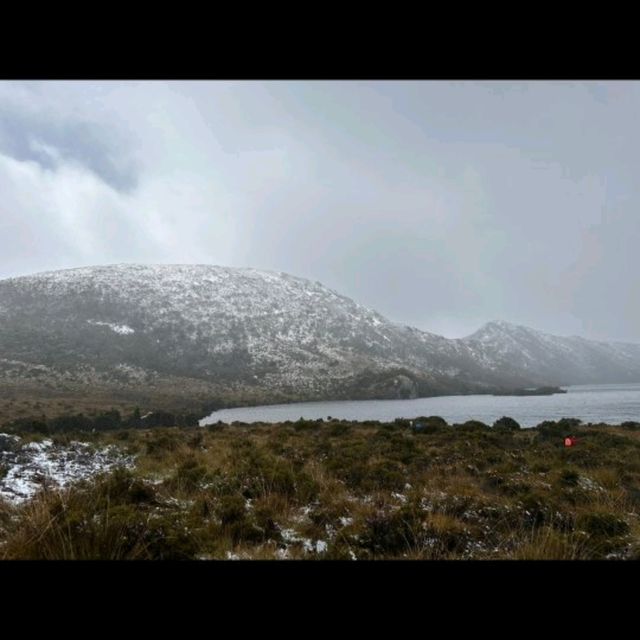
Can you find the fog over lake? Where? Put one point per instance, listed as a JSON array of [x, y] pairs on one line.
[[613, 404]]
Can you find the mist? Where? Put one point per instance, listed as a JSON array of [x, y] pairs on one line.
[[443, 205]]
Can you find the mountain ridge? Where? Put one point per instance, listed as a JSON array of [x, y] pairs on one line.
[[250, 335]]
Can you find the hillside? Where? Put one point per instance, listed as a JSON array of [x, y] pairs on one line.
[[243, 335], [543, 358], [211, 330]]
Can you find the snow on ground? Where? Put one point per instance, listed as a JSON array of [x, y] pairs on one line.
[[26, 468], [291, 537]]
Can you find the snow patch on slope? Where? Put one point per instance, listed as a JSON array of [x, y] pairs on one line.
[[122, 329]]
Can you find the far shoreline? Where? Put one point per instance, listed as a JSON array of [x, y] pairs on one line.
[[613, 404]]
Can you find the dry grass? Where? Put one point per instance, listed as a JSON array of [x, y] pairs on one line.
[[548, 544]]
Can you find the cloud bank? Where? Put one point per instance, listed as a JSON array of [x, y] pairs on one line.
[[441, 204]]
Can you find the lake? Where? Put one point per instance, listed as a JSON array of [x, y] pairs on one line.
[[611, 403]]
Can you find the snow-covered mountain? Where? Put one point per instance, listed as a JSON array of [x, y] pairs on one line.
[[543, 358], [249, 335]]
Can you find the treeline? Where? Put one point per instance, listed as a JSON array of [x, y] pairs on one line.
[[106, 421]]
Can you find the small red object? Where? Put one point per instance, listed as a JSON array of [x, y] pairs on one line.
[[570, 441]]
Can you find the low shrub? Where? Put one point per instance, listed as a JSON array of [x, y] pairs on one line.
[[431, 424], [506, 424], [602, 525], [472, 426]]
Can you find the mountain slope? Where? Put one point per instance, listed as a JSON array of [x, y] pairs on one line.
[[254, 336], [217, 328], [544, 358]]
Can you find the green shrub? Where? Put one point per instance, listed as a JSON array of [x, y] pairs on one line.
[[107, 420], [602, 525], [385, 474], [169, 538], [390, 533], [197, 441], [264, 520], [569, 477], [190, 474], [120, 487], [303, 425], [540, 467], [29, 425], [473, 426], [409, 530], [162, 445], [236, 522], [532, 510], [338, 429], [261, 474], [506, 424], [431, 424], [230, 509]]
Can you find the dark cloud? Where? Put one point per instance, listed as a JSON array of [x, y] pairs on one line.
[[48, 141]]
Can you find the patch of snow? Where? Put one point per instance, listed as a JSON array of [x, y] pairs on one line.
[[40, 464], [291, 536], [588, 484], [122, 329], [38, 446], [320, 546]]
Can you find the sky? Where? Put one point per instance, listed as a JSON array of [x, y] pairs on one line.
[[442, 205]]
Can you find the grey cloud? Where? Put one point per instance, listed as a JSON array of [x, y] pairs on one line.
[[49, 140]]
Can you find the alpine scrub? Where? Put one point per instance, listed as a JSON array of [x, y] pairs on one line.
[[337, 490]]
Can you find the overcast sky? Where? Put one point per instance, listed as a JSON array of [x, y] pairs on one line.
[[443, 205]]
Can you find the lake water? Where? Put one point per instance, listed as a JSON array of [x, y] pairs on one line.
[[591, 403]]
